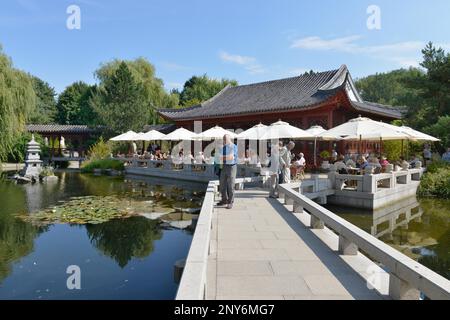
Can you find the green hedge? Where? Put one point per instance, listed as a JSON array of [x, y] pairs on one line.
[[436, 181], [102, 164]]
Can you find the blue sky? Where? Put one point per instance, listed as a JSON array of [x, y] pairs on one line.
[[246, 40]]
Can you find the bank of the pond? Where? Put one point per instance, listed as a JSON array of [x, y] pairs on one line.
[[125, 258]]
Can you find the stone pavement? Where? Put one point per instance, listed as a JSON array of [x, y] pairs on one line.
[[261, 250]]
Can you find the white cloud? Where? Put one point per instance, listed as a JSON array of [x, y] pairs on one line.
[[249, 63], [403, 54], [317, 43], [236, 58]]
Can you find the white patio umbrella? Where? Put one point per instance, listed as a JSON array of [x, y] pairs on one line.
[[254, 133], [180, 134], [414, 135], [153, 135], [316, 131], [127, 136], [282, 130], [362, 128], [215, 133]]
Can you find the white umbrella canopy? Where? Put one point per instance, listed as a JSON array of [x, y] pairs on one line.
[[127, 136], [283, 130], [254, 133], [139, 137], [364, 129], [153, 135], [215, 133], [317, 132], [180, 134], [414, 135]]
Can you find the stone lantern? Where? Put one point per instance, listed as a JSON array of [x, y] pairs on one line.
[[33, 162]]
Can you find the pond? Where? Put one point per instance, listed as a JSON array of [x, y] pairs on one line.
[[420, 228], [128, 255]]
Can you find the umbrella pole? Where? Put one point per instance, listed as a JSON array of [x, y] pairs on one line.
[[381, 150], [315, 152], [360, 146]]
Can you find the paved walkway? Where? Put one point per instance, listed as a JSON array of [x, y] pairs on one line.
[[261, 250]]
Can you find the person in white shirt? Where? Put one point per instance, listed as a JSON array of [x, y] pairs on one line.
[[301, 161], [285, 161]]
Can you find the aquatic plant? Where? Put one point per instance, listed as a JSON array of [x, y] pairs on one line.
[[89, 209]]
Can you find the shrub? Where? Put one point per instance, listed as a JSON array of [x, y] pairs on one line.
[[325, 154], [100, 150], [436, 182], [102, 164]]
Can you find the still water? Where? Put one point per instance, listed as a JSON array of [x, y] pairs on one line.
[[126, 258], [420, 228]]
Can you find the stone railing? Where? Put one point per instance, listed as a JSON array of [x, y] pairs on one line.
[[193, 281], [373, 183], [406, 277], [191, 171]]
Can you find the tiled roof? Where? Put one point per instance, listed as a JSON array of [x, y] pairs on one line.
[[60, 128], [163, 128], [305, 91]]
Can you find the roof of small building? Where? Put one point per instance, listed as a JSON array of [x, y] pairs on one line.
[[302, 92], [61, 128]]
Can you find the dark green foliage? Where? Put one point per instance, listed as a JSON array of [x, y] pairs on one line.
[[45, 111], [201, 88], [19, 147], [74, 107], [436, 181], [145, 88], [118, 100]]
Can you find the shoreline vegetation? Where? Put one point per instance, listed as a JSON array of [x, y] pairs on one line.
[[436, 181]]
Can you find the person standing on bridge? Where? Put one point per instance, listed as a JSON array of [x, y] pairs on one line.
[[285, 161], [228, 173]]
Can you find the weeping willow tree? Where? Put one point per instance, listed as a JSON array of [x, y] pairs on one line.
[[17, 101]]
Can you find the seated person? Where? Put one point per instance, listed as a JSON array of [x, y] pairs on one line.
[[199, 158], [340, 166], [300, 161], [362, 163], [351, 162], [384, 162], [403, 163]]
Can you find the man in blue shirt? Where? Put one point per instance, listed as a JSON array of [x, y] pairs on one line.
[[228, 173], [446, 155]]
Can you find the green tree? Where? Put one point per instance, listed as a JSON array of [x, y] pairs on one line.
[[201, 88], [74, 107], [118, 100], [434, 88], [441, 130], [390, 88], [152, 93], [17, 101], [45, 111]]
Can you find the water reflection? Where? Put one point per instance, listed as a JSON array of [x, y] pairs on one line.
[[418, 228], [156, 239], [124, 239]]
